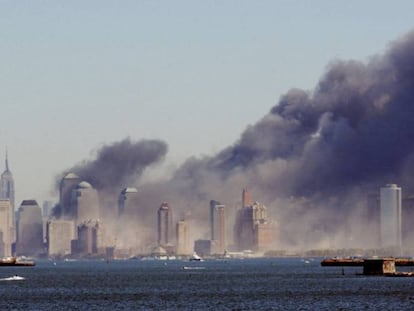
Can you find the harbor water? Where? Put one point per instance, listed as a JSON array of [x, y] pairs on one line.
[[234, 284]]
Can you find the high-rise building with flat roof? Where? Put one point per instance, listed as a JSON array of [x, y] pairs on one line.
[[60, 234], [29, 229], [127, 201], [67, 185], [85, 203], [6, 209], [390, 216], [217, 225], [182, 238], [164, 224]]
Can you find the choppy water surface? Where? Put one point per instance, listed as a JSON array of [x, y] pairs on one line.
[[249, 284]]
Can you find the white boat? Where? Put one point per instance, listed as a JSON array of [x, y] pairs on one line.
[[13, 278], [195, 257]]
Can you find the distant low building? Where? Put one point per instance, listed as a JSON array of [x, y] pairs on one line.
[[206, 247]]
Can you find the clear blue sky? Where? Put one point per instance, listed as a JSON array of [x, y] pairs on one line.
[[78, 74]]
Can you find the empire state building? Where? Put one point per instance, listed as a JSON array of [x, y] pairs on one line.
[[7, 184]]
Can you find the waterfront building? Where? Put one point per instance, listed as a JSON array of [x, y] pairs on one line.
[[164, 224], [371, 219], [182, 238], [407, 229], [60, 234], [85, 203], [205, 247], [390, 216], [217, 224], [29, 229], [67, 185], [6, 231]]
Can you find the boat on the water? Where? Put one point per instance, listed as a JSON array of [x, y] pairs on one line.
[[16, 262], [195, 257], [13, 278]]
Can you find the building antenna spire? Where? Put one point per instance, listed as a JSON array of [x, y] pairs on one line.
[[7, 161]]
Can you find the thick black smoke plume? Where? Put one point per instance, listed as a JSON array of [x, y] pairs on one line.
[[312, 159], [120, 164]]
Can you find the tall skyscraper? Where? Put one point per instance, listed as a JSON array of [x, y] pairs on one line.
[[164, 224], [217, 224], [29, 229], [246, 199], [127, 200], [67, 185], [6, 210], [253, 230], [182, 238], [85, 203], [390, 216], [7, 184]]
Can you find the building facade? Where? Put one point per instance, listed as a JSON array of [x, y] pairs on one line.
[[67, 185], [182, 238], [390, 216], [217, 225], [85, 203], [60, 234], [7, 184], [127, 201], [164, 224], [29, 229], [6, 224]]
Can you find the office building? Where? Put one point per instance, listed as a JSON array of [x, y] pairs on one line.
[[85, 203], [217, 225], [253, 230], [6, 230], [60, 234], [90, 238], [127, 201], [182, 238], [164, 224], [67, 185], [29, 229], [7, 184], [390, 216]]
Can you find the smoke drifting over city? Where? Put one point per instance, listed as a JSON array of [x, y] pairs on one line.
[[311, 160]]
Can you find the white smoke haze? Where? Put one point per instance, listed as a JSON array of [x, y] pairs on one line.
[[312, 160]]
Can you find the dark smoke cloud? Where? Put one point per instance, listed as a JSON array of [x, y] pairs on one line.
[[312, 159], [328, 147], [120, 164]]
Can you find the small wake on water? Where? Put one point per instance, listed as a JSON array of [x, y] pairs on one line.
[[13, 278]]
